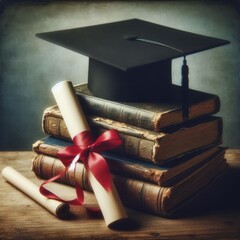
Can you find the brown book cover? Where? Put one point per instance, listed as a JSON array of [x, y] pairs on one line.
[[141, 143], [136, 194], [162, 175], [150, 115]]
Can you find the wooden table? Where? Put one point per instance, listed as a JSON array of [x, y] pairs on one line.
[[216, 214]]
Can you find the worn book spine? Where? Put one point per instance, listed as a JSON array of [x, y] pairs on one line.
[[146, 145], [160, 175], [140, 195], [132, 145], [164, 146], [155, 176], [152, 116]]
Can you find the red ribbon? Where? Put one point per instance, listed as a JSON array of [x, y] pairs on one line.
[[86, 149]]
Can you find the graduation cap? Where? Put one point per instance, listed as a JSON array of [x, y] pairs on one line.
[[131, 60]]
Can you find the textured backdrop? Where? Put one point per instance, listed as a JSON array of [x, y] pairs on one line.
[[29, 66]]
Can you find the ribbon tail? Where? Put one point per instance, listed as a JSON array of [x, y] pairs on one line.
[[45, 192], [100, 170]]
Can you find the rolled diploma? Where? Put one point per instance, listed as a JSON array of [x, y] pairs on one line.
[[32, 190], [73, 115]]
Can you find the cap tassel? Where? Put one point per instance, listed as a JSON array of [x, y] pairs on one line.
[[185, 71], [185, 88]]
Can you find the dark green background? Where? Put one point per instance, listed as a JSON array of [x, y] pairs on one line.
[[29, 66]]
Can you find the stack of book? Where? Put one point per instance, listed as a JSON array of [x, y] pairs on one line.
[[163, 163]]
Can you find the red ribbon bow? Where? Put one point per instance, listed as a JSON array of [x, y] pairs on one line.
[[86, 149]]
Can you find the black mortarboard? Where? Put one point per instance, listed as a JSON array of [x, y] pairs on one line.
[[131, 60]]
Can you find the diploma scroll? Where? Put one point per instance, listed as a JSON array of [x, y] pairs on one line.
[[109, 201], [59, 209]]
